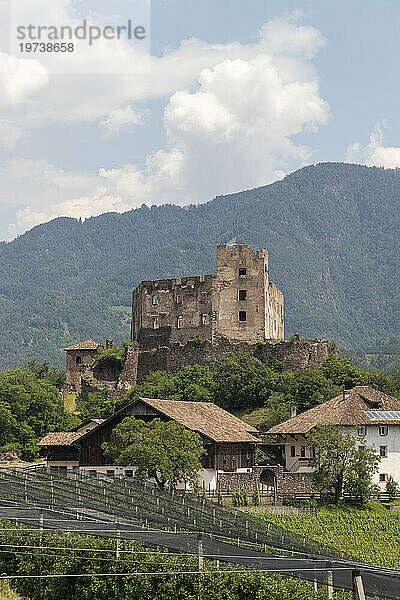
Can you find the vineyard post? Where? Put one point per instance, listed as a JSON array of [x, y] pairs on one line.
[[200, 553], [358, 587], [329, 580]]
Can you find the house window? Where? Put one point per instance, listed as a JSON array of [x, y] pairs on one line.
[[179, 322], [292, 451], [383, 429], [242, 272], [242, 316], [242, 294], [204, 319], [382, 477], [383, 451], [362, 430], [92, 473], [303, 452], [110, 473], [78, 360], [128, 473], [179, 299], [156, 323]]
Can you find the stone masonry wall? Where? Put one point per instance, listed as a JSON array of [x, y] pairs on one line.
[[295, 355]]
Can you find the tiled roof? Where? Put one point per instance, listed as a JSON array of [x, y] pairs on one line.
[[206, 418], [66, 438], [346, 409], [86, 345], [59, 438]]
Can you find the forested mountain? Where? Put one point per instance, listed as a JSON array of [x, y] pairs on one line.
[[332, 231]]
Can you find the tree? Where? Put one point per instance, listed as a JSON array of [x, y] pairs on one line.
[[166, 451], [392, 488], [97, 405], [30, 407], [339, 462]]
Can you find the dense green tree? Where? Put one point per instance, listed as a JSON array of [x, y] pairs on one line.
[[30, 407], [166, 451], [340, 464], [96, 405]]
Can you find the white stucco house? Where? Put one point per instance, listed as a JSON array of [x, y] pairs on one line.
[[362, 410]]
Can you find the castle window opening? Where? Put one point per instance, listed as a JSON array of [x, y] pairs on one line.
[[204, 319], [78, 360], [179, 322], [242, 294], [242, 272], [155, 300], [242, 316], [203, 296], [179, 299], [156, 323]]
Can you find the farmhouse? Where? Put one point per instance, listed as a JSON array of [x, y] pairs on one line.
[[230, 443], [59, 448], [371, 414]]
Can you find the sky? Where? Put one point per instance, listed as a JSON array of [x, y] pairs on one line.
[[225, 95]]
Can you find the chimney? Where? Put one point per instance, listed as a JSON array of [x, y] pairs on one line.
[[293, 412]]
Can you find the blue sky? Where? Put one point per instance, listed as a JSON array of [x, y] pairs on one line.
[[238, 94]]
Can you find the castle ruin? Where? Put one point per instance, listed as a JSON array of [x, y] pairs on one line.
[[238, 303]]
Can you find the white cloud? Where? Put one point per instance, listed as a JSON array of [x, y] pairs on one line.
[[231, 116], [9, 134], [123, 118], [375, 154]]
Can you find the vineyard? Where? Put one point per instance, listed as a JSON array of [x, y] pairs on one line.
[[369, 535], [148, 575]]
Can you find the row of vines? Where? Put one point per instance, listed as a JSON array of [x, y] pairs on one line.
[[148, 575], [368, 535]]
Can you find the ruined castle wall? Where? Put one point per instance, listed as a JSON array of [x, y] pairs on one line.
[[77, 361], [294, 355], [177, 309]]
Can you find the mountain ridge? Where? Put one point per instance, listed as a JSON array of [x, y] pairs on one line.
[[332, 231]]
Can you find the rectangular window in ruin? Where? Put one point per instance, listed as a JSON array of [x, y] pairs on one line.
[[156, 323], [242, 316], [155, 300], [203, 296], [204, 319], [179, 322], [242, 294], [179, 299], [78, 360], [242, 272]]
